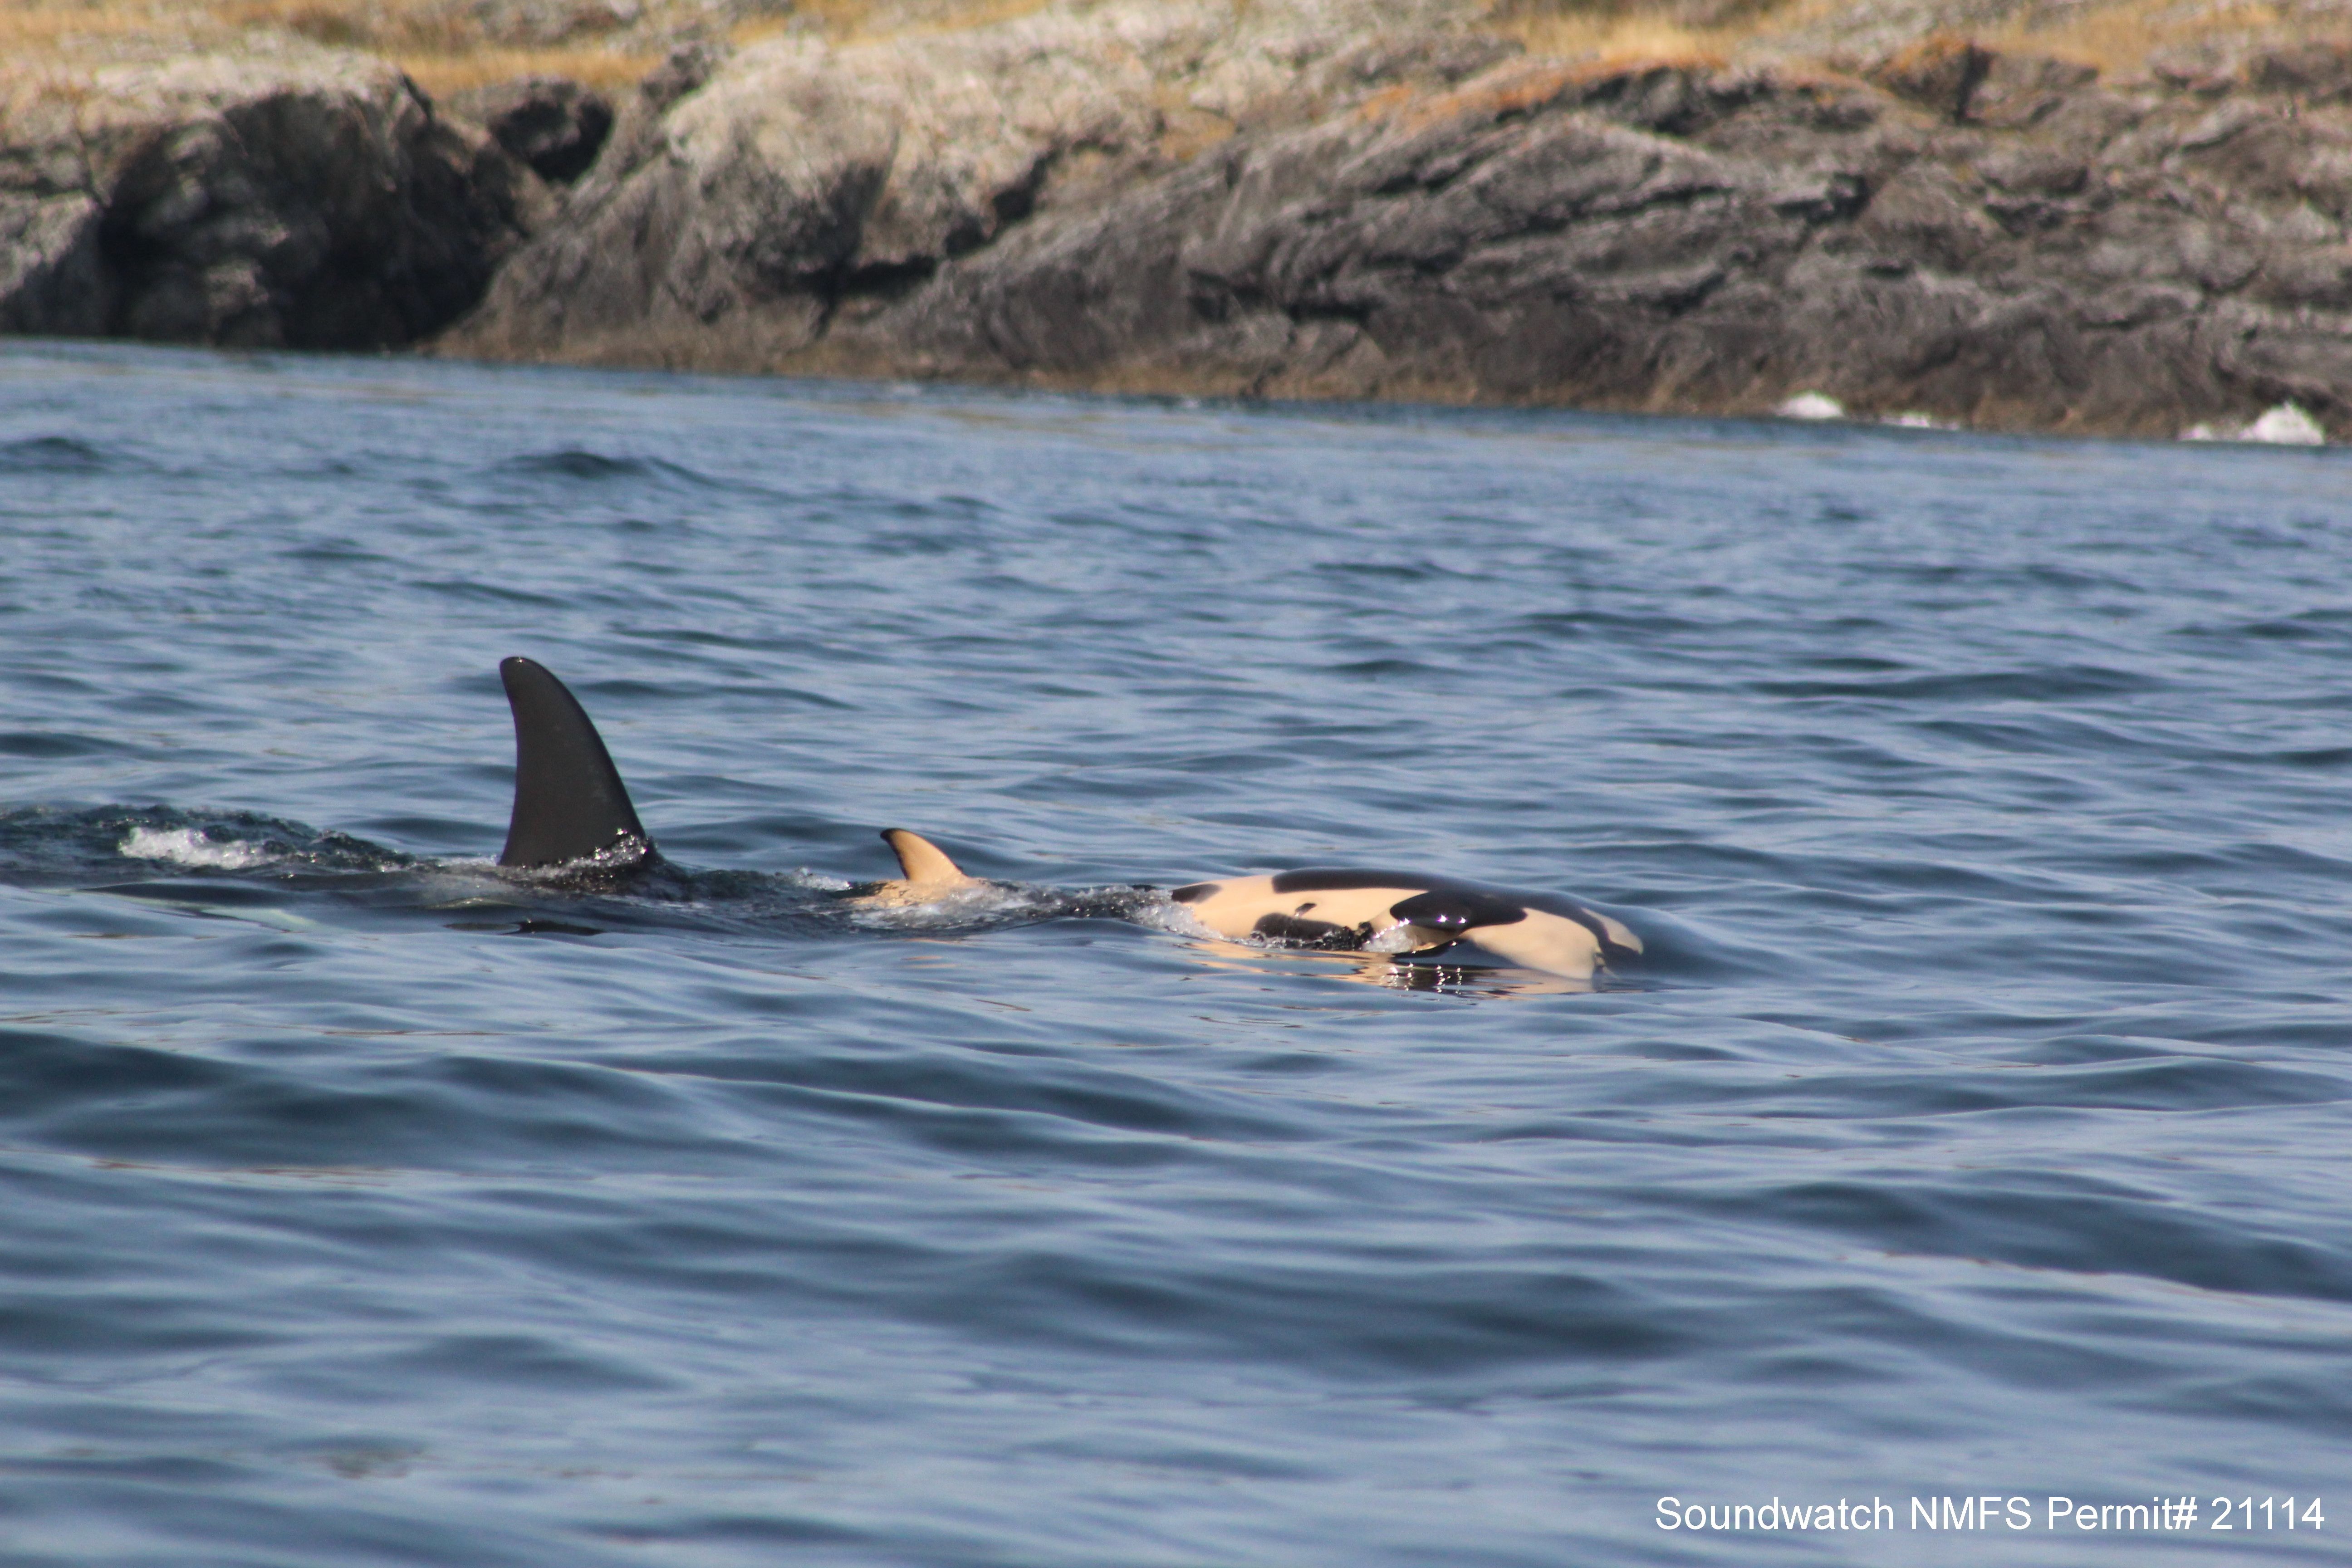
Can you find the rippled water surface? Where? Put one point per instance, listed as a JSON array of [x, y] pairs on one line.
[[1980, 1128]]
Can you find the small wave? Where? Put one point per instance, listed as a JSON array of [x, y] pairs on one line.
[[615, 864], [2055, 683], [46, 843], [1603, 624], [982, 903], [1384, 571], [595, 468], [50, 744], [194, 846], [488, 593], [1158, 911], [2312, 757], [571, 463], [50, 455], [2310, 626]]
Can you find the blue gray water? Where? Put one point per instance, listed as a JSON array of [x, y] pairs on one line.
[[1981, 1130]]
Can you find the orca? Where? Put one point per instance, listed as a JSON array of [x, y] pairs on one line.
[[572, 815], [1351, 909], [925, 872], [571, 808]]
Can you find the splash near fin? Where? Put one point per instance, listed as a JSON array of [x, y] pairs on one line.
[[569, 801], [924, 863]]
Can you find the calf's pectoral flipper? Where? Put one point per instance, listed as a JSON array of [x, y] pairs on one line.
[[568, 802]]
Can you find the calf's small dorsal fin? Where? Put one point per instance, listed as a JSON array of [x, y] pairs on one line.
[[569, 801], [922, 861]]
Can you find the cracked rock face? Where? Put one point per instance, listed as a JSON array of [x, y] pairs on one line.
[[1348, 198], [1997, 240], [744, 213], [550, 122], [310, 204]]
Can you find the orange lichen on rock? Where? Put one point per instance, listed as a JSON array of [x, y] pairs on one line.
[[1526, 87]]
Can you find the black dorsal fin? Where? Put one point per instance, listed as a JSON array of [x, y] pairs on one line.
[[569, 801]]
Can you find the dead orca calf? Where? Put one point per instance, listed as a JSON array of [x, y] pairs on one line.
[[1356, 910], [571, 812]]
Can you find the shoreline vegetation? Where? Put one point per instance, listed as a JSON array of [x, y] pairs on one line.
[[2046, 214], [449, 46]]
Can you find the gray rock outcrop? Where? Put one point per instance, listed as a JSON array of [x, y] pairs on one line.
[[2024, 250], [553, 123], [734, 218], [1358, 198], [1148, 199], [311, 202]]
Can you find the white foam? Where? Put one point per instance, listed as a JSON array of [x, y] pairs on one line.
[[1812, 405], [1400, 937], [189, 847], [2285, 426], [1914, 420], [1160, 912], [959, 905]]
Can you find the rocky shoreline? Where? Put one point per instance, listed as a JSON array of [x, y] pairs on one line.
[[320, 203], [1311, 203]]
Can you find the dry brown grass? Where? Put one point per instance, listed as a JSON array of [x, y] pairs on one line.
[[2118, 39], [607, 70], [31, 29], [848, 20], [442, 46], [1620, 34], [342, 24]]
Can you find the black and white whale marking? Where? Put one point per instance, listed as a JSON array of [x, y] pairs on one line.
[[573, 813], [1357, 910]]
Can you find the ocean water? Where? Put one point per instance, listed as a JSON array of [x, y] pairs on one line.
[[1979, 1129]]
